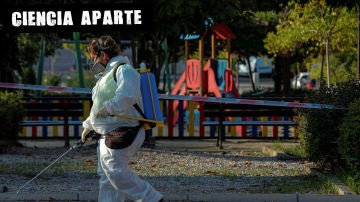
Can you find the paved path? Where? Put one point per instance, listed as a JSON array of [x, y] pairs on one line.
[[214, 197]]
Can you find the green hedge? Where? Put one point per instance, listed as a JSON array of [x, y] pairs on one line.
[[349, 140], [319, 129], [11, 113]]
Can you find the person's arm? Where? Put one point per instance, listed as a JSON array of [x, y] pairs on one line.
[[127, 92], [87, 124]]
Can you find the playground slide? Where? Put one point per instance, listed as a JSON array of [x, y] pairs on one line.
[[179, 89], [179, 84], [211, 80], [230, 87]]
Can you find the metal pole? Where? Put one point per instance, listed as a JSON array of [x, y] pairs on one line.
[[358, 48], [41, 62], [166, 63], [78, 59]]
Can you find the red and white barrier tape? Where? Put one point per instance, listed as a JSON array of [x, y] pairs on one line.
[[177, 97], [45, 88], [246, 101]]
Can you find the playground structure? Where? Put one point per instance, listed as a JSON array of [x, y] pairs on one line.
[[215, 78]]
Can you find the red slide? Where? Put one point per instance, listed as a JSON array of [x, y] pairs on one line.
[[211, 80], [230, 86], [179, 84]]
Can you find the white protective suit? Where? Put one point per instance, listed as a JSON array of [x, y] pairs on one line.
[[117, 181]]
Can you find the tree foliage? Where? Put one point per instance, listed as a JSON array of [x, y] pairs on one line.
[[307, 28], [29, 51], [313, 21], [250, 21]]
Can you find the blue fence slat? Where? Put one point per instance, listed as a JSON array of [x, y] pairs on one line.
[[181, 118], [286, 128], [254, 128]]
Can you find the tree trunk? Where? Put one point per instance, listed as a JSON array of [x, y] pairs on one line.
[[327, 62], [282, 74], [321, 83], [250, 73], [277, 76]]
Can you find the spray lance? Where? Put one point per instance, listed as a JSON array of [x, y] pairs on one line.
[[90, 136]]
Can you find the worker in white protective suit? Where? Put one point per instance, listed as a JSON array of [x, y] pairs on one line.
[[117, 91]]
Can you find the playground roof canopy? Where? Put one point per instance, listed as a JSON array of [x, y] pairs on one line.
[[221, 31]]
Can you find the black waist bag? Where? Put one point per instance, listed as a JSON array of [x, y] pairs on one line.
[[121, 137]]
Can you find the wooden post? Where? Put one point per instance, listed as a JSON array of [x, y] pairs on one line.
[[228, 49], [213, 48], [170, 118], [201, 119], [201, 58], [191, 119], [160, 128], [264, 130], [187, 50]]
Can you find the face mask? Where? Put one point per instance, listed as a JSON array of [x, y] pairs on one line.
[[96, 67]]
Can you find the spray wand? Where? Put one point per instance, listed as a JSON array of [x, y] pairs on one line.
[[91, 135]]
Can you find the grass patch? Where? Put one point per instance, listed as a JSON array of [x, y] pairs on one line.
[[294, 150], [350, 180], [30, 169], [307, 184]]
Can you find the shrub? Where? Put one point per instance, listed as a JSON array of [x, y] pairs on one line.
[[52, 80], [318, 133], [349, 140], [319, 128], [73, 80], [11, 113]]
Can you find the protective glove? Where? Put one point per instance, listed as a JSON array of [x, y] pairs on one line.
[[103, 113], [83, 134]]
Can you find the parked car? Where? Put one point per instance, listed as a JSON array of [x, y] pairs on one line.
[[257, 64], [301, 80]]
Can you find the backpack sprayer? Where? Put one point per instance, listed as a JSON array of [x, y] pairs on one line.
[[91, 135]]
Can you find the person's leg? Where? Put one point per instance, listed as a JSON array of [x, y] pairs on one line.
[[114, 163], [106, 190]]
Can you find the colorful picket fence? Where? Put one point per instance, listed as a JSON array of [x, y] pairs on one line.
[[54, 131], [187, 126]]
